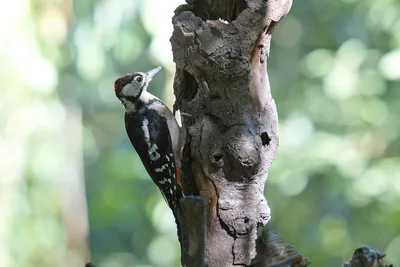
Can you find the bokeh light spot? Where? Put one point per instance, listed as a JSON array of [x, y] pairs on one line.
[[53, 25], [162, 218], [90, 61], [38, 72], [371, 83], [342, 81], [334, 235], [161, 28], [372, 183], [389, 65], [392, 251], [121, 259], [318, 63], [292, 183], [161, 252], [296, 131], [289, 32]]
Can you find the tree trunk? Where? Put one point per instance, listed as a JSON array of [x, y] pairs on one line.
[[231, 133]]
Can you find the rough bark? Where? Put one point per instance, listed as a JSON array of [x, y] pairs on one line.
[[230, 128], [231, 133]]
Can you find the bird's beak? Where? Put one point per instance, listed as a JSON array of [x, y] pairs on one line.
[[150, 74]]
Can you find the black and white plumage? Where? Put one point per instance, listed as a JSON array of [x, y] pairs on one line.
[[153, 132]]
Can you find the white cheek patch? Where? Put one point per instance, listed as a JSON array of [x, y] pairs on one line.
[[131, 89]]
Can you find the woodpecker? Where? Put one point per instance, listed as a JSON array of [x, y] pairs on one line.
[[153, 132]]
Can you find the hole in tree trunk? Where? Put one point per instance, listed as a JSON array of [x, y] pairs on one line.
[[217, 160], [265, 139], [227, 10], [217, 157], [240, 5], [191, 86]]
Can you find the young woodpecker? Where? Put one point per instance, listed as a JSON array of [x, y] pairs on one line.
[[153, 132]]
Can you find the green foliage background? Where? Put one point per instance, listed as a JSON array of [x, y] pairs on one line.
[[67, 169]]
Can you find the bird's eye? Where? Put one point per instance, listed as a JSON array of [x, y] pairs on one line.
[[139, 79]]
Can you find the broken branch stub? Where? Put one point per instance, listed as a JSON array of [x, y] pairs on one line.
[[232, 134]]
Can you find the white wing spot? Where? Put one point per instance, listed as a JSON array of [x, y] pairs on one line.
[[153, 154], [171, 191], [162, 168], [145, 128]]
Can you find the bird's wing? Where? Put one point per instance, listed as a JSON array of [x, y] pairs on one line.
[[155, 151]]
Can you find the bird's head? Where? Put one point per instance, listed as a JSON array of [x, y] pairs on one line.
[[131, 86]]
